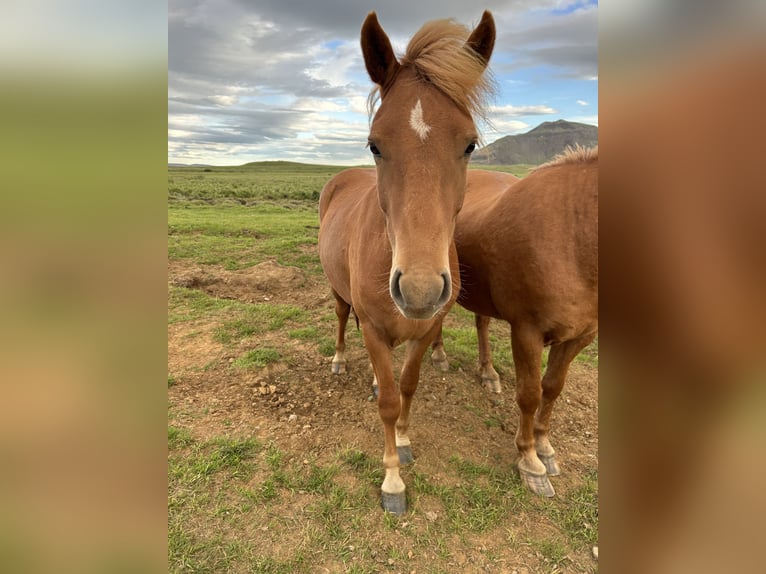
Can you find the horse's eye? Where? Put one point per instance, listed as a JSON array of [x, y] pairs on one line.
[[470, 149], [373, 149]]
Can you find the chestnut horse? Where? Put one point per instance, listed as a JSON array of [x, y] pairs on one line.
[[386, 234], [528, 253]]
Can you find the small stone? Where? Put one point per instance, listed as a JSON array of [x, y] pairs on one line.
[[292, 418], [272, 389], [431, 516]]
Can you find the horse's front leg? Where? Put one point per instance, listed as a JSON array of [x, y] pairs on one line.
[[489, 377], [408, 384], [559, 359], [393, 493], [527, 346]]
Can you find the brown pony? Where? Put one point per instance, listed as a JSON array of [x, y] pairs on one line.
[[528, 253], [386, 234]]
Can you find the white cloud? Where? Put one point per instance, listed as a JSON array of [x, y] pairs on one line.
[[516, 111], [274, 80], [223, 100], [505, 127], [592, 120], [582, 103]]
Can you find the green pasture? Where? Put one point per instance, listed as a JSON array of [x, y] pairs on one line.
[[262, 181], [225, 492]]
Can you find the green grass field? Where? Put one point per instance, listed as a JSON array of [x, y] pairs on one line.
[[231, 496]]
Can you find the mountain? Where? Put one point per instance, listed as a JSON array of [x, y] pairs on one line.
[[538, 145]]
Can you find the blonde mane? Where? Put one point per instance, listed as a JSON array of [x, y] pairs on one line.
[[439, 55], [576, 154]]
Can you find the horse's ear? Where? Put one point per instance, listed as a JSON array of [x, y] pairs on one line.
[[482, 39], [378, 54]]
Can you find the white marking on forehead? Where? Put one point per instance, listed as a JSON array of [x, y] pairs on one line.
[[417, 123]]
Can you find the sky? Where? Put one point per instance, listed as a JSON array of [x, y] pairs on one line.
[[253, 80]]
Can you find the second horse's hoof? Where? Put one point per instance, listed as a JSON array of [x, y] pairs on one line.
[[551, 466], [537, 483]]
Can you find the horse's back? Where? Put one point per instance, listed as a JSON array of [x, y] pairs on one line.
[[483, 189], [556, 208], [530, 251]]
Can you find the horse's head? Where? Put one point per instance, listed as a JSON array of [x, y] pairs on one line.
[[421, 138]]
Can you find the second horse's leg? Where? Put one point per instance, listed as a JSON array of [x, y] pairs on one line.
[[559, 359], [527, 346]]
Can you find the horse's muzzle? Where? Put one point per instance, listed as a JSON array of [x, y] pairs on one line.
[[420, 295]]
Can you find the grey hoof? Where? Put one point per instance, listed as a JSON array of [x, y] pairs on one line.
[[394, 503], [492, 385], [537, 483], [551, 466], [375, 391], [338, 368], [405, 455], [441, 365]]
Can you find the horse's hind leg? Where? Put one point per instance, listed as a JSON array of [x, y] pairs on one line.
[[438, 355], [489, 377], [559, 359], [342, 310], [527, 346]]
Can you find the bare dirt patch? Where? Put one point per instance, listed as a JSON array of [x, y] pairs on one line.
[[300, 406]]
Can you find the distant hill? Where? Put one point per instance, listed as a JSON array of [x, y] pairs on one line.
[[188, 165], [270, 166], [538, 145]]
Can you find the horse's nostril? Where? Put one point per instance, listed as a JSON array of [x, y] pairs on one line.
[[396, 291], [447, 289]]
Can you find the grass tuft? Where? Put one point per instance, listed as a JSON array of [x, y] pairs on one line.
[[257, 358]]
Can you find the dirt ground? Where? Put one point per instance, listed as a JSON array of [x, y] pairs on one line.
[[303, 406]]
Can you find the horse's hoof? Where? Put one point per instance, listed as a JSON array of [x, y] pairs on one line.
[[405, 455], [551, 466], [338, 368], [441, 364], [394, 503], [375, 391], [492, 385], [537, 483]]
